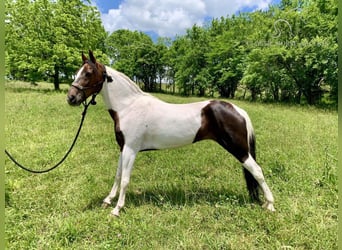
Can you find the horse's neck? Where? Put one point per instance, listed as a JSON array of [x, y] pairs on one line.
[[121, 92]]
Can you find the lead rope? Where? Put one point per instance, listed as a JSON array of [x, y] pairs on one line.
[[86, 105]]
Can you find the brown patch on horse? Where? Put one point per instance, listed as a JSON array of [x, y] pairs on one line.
[[120, 139], [89, 82], [93, 73], [222, 123]]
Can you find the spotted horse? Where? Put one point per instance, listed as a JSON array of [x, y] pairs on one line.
[[143, 122]]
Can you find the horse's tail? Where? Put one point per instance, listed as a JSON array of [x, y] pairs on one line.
[[252, 184]]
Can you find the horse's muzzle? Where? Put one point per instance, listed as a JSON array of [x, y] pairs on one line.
[[72, 100], [75, 97]]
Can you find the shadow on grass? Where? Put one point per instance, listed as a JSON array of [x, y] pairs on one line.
[[177, 197], [21, 87], [36, 90]]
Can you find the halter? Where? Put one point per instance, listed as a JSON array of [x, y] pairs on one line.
[[105, 77]]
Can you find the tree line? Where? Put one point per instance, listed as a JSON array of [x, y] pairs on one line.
[[287, 53]]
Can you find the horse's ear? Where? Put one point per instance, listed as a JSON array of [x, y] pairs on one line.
[[84, 58], [92, 58]]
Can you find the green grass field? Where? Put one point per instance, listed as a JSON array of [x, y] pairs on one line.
[[187, 198]]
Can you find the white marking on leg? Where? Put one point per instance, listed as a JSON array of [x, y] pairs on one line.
[[128, 157], [251, 165], [112, 194]]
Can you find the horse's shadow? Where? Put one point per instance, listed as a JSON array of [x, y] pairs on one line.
[[177, 197]]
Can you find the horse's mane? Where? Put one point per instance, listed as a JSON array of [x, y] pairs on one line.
[[119, 76]]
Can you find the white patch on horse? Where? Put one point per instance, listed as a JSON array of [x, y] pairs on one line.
[[169, 125], [78, 75], [249, 127]]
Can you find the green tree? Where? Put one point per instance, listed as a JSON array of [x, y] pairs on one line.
[[44, 38], [147, 65], [311, 53], [190, 60], [119, 48], [168, 61], [226, 55], [135, 54], [295, 55]]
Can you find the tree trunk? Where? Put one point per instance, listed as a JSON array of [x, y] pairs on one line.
[[56, 78], [160, 84]]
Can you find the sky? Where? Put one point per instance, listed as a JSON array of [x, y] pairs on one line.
[[168, 18]]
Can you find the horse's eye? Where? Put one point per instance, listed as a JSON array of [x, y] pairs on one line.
[[88, 74]]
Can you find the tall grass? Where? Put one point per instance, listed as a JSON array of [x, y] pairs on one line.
[[187, 198]]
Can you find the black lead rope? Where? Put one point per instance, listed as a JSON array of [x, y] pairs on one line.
[[86, 105]]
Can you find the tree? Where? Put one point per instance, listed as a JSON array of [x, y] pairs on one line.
[[44, 38], [134, 53], [163, 62], [225, 57], [189, 52], [120, 49], [296, 52], [311, 57], [146, 65], [168, 61]]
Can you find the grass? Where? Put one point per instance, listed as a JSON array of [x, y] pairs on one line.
[[187, 198]]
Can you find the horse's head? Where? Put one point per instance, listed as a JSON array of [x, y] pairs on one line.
[[89, 80]]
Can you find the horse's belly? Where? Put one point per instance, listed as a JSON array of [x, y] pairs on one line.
[[159, 125], [167, 140], [171, 132], [170, 136]]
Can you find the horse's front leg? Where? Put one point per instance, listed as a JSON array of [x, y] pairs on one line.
[[108, 200], [128, 156]]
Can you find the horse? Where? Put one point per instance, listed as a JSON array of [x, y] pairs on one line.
[[143, 122]]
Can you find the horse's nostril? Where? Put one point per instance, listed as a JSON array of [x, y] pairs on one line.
[[71, 99]]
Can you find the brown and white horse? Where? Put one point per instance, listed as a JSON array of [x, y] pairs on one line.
[[143, 122]]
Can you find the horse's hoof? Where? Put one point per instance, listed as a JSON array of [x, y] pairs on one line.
[[269, 206], [115, 213], [105, 205]]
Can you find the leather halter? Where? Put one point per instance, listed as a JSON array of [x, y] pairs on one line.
[[105, 77]]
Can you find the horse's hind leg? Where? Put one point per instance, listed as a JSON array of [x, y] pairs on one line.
[[107, 201], [251, 165]]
